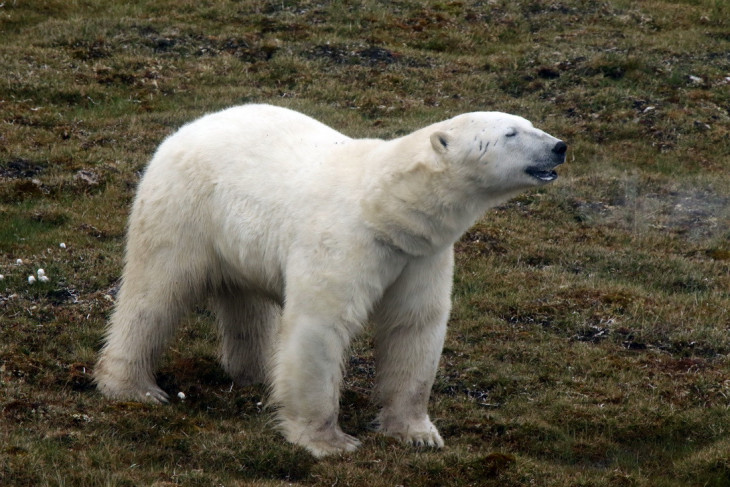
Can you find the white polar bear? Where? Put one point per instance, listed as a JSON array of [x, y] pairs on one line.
[[301, 235]]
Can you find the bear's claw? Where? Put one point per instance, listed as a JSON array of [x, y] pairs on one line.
[[417, 433], [156, 395], [343, 443]]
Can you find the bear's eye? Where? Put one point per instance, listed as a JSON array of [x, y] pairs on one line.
[[511, 133]]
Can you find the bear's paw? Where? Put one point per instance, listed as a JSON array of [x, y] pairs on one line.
[[320, 442], [419, 433]]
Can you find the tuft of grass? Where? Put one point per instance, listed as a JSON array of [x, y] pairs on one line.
[[588, 342]]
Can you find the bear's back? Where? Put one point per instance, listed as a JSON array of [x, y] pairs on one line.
[[249, 141]]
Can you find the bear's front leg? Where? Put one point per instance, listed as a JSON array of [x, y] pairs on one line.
[[329, 294], [306, 383], [410, 326]]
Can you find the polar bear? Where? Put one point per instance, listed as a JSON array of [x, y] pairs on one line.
[[299, 236]]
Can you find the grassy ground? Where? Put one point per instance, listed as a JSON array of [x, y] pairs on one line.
[[589, 340]]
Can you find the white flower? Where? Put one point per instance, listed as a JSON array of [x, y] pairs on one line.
[[62, 245], [2, 277], [41, 273], [31, 279], [181, 395], [19, 261], [43, 279]]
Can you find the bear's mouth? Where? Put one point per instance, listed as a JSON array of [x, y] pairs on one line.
[[541, 174]]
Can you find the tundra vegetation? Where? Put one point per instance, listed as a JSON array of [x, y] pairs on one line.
[[589, 340]]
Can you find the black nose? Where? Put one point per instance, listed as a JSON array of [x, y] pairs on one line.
[[560, 148]]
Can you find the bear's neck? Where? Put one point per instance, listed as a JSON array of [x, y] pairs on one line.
[[420, 208]]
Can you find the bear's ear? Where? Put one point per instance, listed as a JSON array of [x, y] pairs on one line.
[[440, 142]]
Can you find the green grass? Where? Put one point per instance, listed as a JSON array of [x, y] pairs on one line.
[[589, 339]]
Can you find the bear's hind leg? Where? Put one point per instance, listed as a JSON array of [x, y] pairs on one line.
[[144, 320], [246, 325]]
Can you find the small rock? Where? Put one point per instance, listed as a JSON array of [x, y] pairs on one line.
[[547, 72], [696, 79], [89, 178]]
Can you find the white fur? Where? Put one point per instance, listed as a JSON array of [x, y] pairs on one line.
[[300, 235]]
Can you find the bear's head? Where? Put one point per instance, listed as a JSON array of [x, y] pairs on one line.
[[501, 153]]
